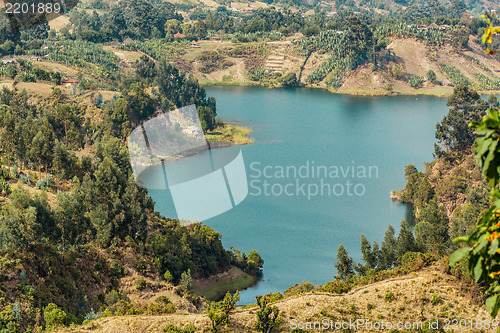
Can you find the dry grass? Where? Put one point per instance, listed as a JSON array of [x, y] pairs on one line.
[[416, 297], [41, 89], [59, 22], [66, 71]]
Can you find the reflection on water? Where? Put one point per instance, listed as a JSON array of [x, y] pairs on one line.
[[410, 214]]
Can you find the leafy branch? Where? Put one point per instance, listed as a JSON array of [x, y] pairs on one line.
[[482, 246], [489, 32]]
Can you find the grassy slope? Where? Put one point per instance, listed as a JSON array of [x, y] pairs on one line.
[[420, 296], [215, 287], [231, 133]]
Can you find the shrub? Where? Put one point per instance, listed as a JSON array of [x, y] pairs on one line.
[[273, 297], [174, 329], [303, 287], [92, 315], [186, 282], [431, 76], [159, 308], [15, 171], [389, 296], [415, 80], [25, 179], [114, 297], [290, 79], [43, 183], [168, 276], [116, 269], [336, 287], [162, 299], [396, 71], [212, 61], [141, 284], [54, 316]]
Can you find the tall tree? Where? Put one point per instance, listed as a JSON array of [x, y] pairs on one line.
[[405, 242], [453, 132], [344, 263], [388, 250], [432, 230], [368, 256], [23, 218], [65, 220]]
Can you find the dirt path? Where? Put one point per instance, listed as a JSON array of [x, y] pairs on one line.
[[412, 298]]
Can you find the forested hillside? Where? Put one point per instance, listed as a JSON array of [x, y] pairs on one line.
[[79, 240], [73, 223]]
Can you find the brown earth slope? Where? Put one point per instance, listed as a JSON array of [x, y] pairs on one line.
[[413, 298]]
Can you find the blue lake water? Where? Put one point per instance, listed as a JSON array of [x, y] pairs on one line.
[[309, 130]]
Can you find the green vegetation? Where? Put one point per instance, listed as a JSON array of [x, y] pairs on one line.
[[218, 312], [481, 250], [455, 76], [230, 133], [71, 215], [453, 133], [415, 81], [157, 48], [173, 329], [267, 316], [215, 288], [450, 179], [212, 61], [431, 76], [73, 222], [27, 73]]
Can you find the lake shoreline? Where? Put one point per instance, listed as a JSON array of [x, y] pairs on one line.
[[286, 135], [215, 287], [373, 93]]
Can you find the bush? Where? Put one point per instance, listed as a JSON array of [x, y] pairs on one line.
[[116, 269], [186, 282], [54, 316], [396, 71], [413, 261], [212, 61], [415, 80], [141, 284], [303, 287], [174, 329], [15, 171], [336, 287], [92, 315], [25, 179], [162, 299], [431, 76], [43, 183], [114, 297], [290, 79], [270, 298], [389, 296], [168, 276]]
